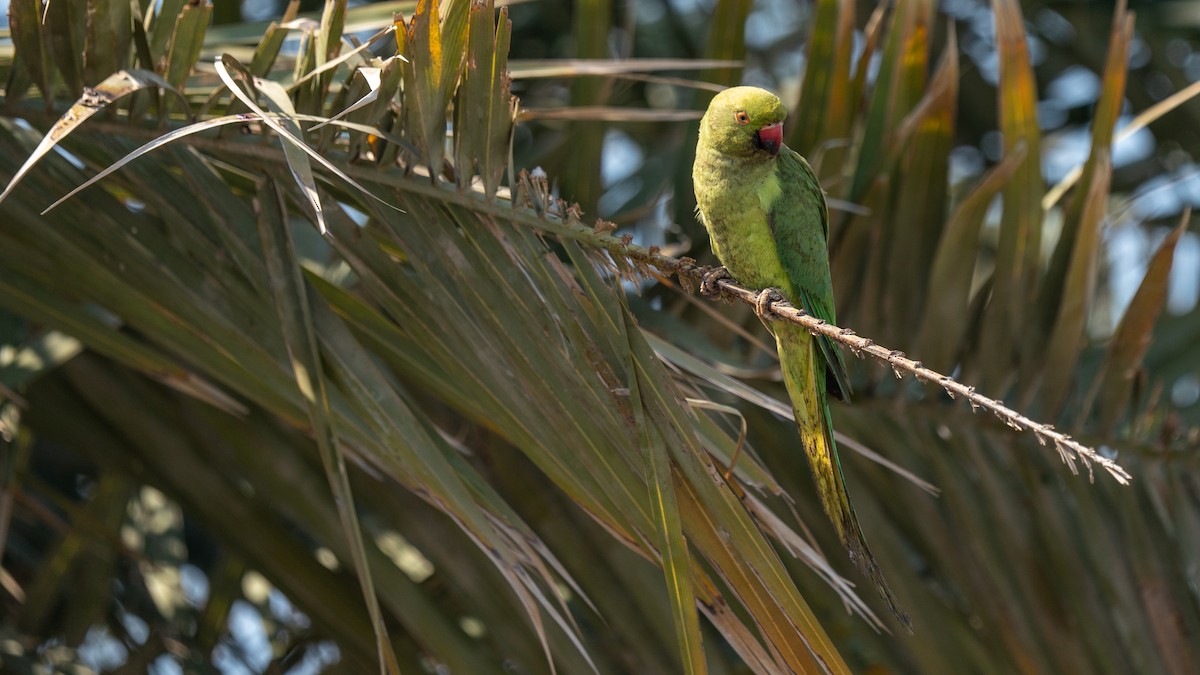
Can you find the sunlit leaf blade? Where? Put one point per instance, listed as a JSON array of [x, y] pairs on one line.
[[901, 79], [946, 316], [1054, 289], [32, 53], [676, 559], [186, 41], [1065, 341], [63, 28], [162, 26], [431, 69], [748, 469], [1020, 226], [842, 102], [320, 42], [370, 263], [872, 35], [1108, 108], [206, 125], [852, 246], [292, 141], [333, 64], [109, 33], [791, 633], [1070, 280], [755, 573], [295, 149], [370, 146], [455, 25], [195, 128], [485, 109], [808, 115], [1139, 122], [295, 320], [267, 49], [93, 101], [920, 207], [1115, 380], [329, 36], [372, 77], [803, 550]]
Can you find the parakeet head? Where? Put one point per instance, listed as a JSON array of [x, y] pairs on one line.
[[744, 122]]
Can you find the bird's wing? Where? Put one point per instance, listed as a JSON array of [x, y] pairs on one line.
[[799, 221]]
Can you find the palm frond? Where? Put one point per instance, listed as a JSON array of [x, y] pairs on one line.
[[455, 402]]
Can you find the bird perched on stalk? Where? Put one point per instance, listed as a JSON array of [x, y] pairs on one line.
[[768, 224]]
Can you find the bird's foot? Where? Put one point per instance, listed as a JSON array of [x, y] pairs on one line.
[[763, 302], [708, 282]]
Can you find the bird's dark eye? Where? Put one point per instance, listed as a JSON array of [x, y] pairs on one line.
[[742, 117]]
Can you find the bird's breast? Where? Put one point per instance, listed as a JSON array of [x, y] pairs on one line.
[[734, 207]]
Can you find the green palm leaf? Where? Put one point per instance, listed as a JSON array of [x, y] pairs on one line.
[[449, 432]]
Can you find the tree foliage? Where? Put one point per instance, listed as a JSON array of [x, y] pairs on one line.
[[472, 427]]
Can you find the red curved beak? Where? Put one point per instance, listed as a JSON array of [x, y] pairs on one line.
[[769, 138]]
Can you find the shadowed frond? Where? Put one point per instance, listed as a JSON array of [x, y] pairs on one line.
[[352, 354]]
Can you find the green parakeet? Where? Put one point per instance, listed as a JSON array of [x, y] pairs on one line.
[[767, 222]]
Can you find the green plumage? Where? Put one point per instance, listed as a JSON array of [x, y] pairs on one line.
[[767, 222]]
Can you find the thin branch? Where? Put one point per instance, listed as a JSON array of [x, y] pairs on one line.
[[1069, 449]]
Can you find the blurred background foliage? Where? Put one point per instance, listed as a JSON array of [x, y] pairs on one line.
[[504, 398]]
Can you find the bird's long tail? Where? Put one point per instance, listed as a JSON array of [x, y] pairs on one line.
[[804, 377]]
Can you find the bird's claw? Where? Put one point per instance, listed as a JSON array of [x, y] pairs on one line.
[[763, 302], [708, 282]]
